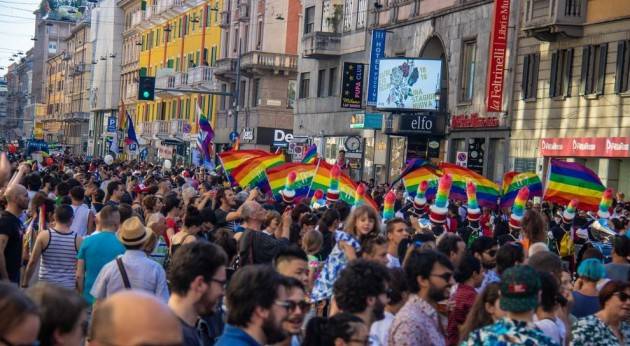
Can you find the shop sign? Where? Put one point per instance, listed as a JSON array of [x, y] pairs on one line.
[[434, 148], [498, 47], [461, 159], [352, 87], [419, 123], [165, 151], [377, 53], [476, 154], [248, 134], [275, 137], [473, 120], [367, 121], [586, 147]]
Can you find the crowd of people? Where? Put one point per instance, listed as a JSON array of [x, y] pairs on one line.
[[132, 254]]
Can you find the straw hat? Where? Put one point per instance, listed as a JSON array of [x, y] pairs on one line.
[[132, 232]]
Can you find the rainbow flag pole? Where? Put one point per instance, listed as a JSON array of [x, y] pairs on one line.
[[227, 175], [315, 174]]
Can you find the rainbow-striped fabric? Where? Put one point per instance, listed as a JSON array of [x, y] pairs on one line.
[[311, 154], [252, 173], [571, 180], [514, 181]]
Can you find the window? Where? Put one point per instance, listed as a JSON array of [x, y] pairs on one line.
[[206, 18], [223, 98], [52, 47], [347, 14], [185, 25], [332, 82], [309, 19], [561, 70], [593, 69], [529, 83], [255, 92], [235, 45], [321, 83], [467, 71], [305, 81], [259, 34], [623, 67], [362, 13], [213, 56]]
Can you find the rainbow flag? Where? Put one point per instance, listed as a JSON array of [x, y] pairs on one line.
[[413, 179], [571, 180], [253, 172], [277, 177], [311, 154], [487, 190], [514, 181], [321, 180], [232, 159]]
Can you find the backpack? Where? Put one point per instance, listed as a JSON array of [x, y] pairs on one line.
[[566, 245]]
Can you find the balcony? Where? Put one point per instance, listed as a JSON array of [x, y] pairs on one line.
[[203, 76], [551, 20], [225, 69], [321, 44], [225, 19], [243, 11], [136, 18], [160, 128], [131, 91], [258, 62], [148, 15], [177, 127], [181, 79], [169, 9], [193, 3], [164, 82]]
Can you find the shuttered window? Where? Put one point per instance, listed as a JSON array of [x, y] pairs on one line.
[[561, 71], [529, 82], [622, 83], [593, 72]]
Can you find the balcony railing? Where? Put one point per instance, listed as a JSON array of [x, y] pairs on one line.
[[177, 127], [136, 18], [225, 68], [270, 61], [181, 79], [549, 20], [203, 76], [321, 44], [225, 19], [165, 82]]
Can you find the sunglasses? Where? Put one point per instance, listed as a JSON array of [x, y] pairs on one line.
[[623, 297], [292, 305], [446, 276]]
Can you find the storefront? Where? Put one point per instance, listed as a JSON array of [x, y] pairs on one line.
[[479, 143], [608, 157], [265, 138]]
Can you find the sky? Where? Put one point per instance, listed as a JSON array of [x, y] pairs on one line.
[[17, 26]]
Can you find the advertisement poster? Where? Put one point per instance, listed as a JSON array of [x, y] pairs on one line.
[[408, 83], [352, 87]]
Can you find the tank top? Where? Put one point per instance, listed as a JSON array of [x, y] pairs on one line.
[[58, 263], [80, 220]]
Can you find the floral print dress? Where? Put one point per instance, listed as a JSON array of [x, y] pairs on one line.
[[335, 262], [508, 332], [590, 330]]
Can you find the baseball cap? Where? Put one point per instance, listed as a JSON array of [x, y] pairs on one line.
[[519, 289]]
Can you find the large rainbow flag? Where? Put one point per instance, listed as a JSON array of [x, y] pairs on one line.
[[277, 177], [514, 181], [232, 159], [571, 180], [252, 173], [321, 180]]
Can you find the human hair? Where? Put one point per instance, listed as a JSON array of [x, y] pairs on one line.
[[149, 202], [419, 241], [312, 241], [297, 212], [192, 217], [219, 196], [591, 269], [327, 220], [77, 193], [467, 268], [478, 316], [109, 217], [389, 224], [350, 225], [448, 243], [224, 237], [534, 227], [421, 263], [549, 291], [99, 195], [343, 209], [360, 280], [125, 212], [308, 219], [111, 187], [321, 331], [397, 285], [59, 310], [290, 283], [508, 256], [207, 215], [63, 189], [171, 202], [609, 289], [191, 260], [482, 244], [621, 246], [368, 244], [272, 215], [64, 214], [33, 182], [289, 253], [546, 261], [251, 286], [15, 306]]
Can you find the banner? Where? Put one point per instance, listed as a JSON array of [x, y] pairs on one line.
[[352, 88], [498, 46], [585, 147], [405, 83], [377, 53]]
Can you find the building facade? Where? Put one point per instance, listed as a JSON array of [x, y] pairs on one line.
[[52, 119], [572, 90], [19, 121]]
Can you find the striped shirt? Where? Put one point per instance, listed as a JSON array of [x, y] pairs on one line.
[[58, 263]]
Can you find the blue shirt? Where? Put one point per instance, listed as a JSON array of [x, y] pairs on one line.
[[97, 250], [235, 336], [584, 305]]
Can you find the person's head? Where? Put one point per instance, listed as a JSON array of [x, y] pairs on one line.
[[132, 234], [292, 262], [152, 203], [614, 298], [398, 289], [172, 205], [192, 219], [509, 255], [62, 314], [197, 272], [256, 298], [63, 215], [225, 198], [17, 197], [77, 194], [341, 155], [125, 211], [342, 329], [453, 246], [312, 242], [362, 221], [470, 271], [550, 292], [62, 189], [485, 310], [396, 230], [520, 286], [429, 274], [298, 307], [548, 262], [533, 226], [99, 196], [329, 220], [621, 247], [19, 320], [253, 212], [374, 248], [361, 288], [273, 221], [297, 212], [485, 250], [308, 222], [108, 219], [33, 182], [115, 190], [591, 269], [135, 318]]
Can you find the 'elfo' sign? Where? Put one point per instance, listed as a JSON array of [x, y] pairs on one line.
[[498, 46], [352, 88]]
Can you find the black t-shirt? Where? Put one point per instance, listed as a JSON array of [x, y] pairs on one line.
[[191, 335], [221, 216], [12, 227]]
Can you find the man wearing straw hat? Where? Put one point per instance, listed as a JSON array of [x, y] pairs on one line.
[[134, 269]]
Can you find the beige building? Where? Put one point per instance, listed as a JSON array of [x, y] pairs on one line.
[[54, 86], [131, 44], [571, 90]]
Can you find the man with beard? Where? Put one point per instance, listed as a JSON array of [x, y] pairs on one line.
[[197, 277], [361, 290], [298, 308], [11, 229], [485, 250], [257, 306], [430, 277]]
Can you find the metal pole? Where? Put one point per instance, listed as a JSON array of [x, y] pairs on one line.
[[237, 90]]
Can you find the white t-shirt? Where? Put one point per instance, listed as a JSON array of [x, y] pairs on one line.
[[80, 220], [380, 330], [392, 261], [554, 329]]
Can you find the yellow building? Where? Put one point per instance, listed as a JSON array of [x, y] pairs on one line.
[[55, 98], [179, 46]]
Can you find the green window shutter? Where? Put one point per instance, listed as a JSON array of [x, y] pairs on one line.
[[169, 63], [143, 72], [213, 56]]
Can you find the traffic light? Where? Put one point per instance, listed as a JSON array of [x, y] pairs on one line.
[[146, 88]]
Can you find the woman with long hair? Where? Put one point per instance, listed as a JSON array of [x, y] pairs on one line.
[[484, 311], [189, 231], [19, 320], [534, 229], [327, 226]]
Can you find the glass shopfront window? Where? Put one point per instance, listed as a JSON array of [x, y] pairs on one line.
[[398, 148]]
